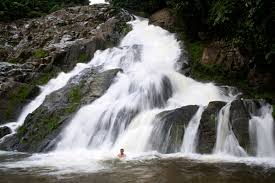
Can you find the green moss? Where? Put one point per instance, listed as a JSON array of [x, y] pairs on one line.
[[45, 78], [16, 97], [196, 50], [40, 53], [125, 29], [75, 95], [52, 123], [75, 98], [14, 60], [83, 58], [21, 131]]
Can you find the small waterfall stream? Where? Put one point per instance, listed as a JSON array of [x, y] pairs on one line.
[[261, 130], [226, 140], [190, 136]]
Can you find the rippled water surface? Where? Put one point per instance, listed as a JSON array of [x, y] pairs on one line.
[[156, 169]]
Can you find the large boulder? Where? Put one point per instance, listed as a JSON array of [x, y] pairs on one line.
[[169, 127], [241, 112], [4, 131], [229, 58], [34, 51], [207, 131], [43, 126], [163, 18], [13, 97]]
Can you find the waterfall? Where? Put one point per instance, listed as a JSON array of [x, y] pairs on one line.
[[190, 135], [261, 130], [97, 2], [149, 84], [53, 85], [226, 141]]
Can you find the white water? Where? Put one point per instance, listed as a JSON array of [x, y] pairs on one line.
[[97, 2], [226, 141], [53, 85], [148, 56], [189, 140], [261, 130]]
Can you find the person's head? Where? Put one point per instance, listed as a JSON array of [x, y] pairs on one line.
[[121, 151]]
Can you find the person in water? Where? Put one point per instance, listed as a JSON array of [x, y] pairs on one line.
[[121, 154]]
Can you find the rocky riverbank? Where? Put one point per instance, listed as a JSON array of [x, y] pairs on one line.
[[34, 51]]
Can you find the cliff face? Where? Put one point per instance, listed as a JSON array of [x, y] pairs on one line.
[[34, 51]]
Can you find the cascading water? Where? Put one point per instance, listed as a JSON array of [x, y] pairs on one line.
[[149, 82], [190, 135], [261, 130], [53, 85], [97, 1], [226, 141]]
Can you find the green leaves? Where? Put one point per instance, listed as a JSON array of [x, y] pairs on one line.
[[16, 9]]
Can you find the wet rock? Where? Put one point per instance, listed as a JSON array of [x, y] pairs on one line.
[[208, 127], [4, 131], [13, 97], [217, 53], [169, 129], [163, 18], [41, 128], [241, 112]]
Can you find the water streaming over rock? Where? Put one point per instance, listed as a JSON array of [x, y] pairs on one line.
[[149, 82], [190, 136], [261, 130], [53, 85], [226, 141]]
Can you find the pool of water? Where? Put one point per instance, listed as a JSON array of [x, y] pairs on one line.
[[26, 168]]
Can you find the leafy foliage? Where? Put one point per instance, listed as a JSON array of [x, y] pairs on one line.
[[15, 9], [246, 24]]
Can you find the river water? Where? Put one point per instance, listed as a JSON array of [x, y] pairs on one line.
[[150, 168]]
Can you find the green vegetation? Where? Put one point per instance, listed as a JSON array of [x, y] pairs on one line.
[[15, 9], [75, 98], [244, 24], [16, 97], [40, 53], [83, 58], [46, 125]]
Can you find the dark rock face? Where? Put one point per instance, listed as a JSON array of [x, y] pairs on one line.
[[208, 127], [42, 127], [40, 48], [169, 129], [4, 131], [163, 18], [13, 97], [231, 59], [241, 112]]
